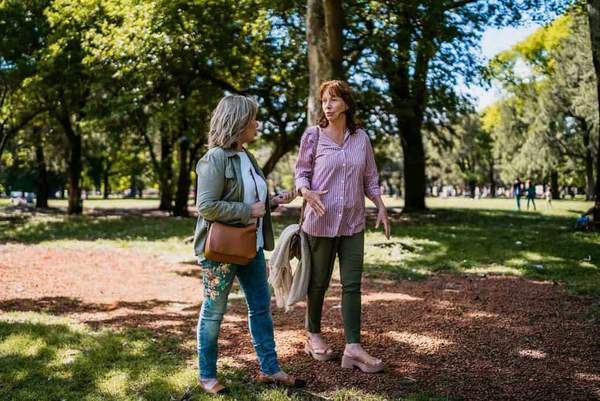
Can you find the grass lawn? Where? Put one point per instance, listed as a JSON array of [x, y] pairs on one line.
[[45, 357], [456, 235]]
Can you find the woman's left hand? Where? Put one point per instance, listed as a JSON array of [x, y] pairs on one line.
[[283, 198], [382, 217]]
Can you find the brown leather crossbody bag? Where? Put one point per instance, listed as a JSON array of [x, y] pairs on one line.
[[232, 244]]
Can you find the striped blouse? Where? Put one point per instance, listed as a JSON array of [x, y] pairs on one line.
[[348, 172]]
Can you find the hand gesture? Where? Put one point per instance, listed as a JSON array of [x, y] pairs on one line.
[[382, 217], [283, 198], [257, 210], [313, 198]]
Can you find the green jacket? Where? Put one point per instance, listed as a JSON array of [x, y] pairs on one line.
[[221, 196]]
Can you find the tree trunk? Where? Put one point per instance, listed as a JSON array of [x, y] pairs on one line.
[[334, 24], [589, 165], [593, 8], [106, 185], [42, 189], [3, 141], [75, 201], [554, 184], [183, 182], [140, 188], [492, 179], [165, 174], [409, 96], [324, 21], [75, 205], [472, 185], [132, 186], [283, 145], [414, 161], [276, 155]]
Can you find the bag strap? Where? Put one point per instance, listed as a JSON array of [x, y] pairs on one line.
[[314, 155], [256, 189]]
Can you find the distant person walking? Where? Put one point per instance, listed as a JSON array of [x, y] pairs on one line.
[[530, 193], [517, 192], [548, 196]]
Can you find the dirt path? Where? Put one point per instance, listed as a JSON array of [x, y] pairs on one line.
[[475, 338]]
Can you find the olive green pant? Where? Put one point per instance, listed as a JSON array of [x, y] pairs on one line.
[[350, 250]]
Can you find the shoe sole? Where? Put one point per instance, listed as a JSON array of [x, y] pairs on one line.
[[351, 363]]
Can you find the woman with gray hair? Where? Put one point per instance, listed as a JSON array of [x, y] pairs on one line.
[[232, 190]]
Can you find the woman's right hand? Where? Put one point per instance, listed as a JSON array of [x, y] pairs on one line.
[[313, 198], [257, 210]]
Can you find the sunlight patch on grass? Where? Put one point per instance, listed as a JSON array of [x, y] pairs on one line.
[[23, 345], [457, 235], [35, 318], [401, 252], [538, 257], [65, 356], [351, 394], [137, 347], [516, 262], [76, 363], [496, 269], [115, 382]]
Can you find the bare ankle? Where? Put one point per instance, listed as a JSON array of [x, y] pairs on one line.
[[353, 347]]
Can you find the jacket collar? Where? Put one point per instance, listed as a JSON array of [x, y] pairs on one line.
[[230, 152]]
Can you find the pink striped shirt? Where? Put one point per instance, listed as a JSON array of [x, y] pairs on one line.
[[348, 172]]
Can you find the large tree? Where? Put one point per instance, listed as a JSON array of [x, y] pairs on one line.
[[24, 31], [419, 51], [324, 23], [593, 7]]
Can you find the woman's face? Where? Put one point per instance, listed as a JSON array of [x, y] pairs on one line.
[[333, 106], [250, 133]]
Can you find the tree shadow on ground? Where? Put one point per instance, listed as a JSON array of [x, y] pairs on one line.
[[466, 240], [129, 227], [466, 338], [480, 241], [71, 363], [122, 359]]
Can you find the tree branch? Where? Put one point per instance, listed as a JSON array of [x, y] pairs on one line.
[[458, 4]]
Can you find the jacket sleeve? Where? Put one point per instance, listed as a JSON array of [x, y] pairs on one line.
[[211, 182]]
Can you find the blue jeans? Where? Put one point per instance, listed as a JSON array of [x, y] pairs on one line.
[[218, 279]]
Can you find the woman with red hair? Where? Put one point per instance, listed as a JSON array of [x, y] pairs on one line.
[[334, 172]]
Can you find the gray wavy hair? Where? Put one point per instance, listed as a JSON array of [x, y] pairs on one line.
[[230, 119]]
